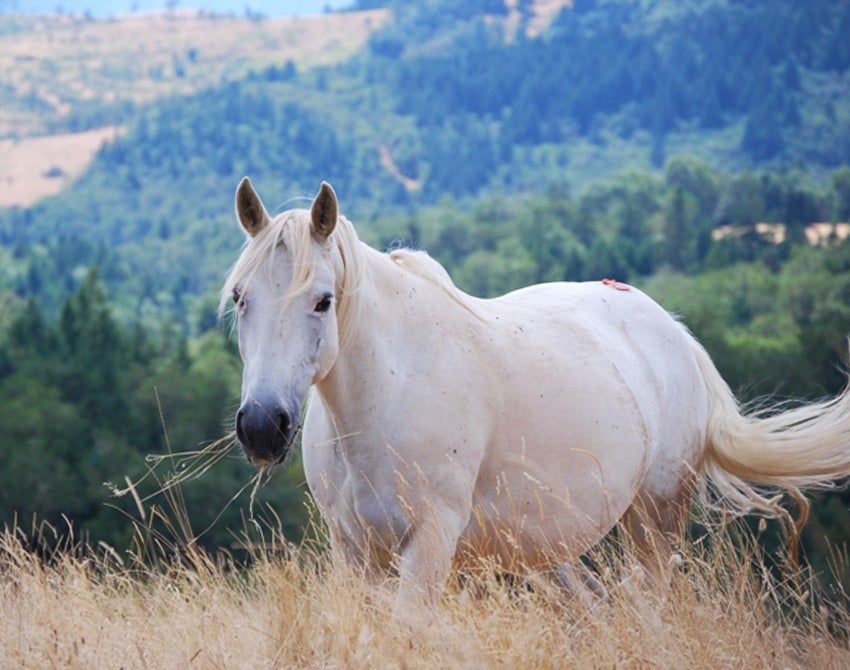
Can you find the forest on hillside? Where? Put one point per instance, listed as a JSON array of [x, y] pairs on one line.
[[461, 114], [629, 67], [718, 116]]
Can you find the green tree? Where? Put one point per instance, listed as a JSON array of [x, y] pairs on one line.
[[91, 355], [741, 202], [42, 446], [697, 180], [840, 184], [675, 232]]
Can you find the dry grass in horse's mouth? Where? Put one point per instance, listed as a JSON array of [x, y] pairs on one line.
[[294, 608]]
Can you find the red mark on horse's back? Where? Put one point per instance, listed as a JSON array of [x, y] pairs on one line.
[[620, 286]]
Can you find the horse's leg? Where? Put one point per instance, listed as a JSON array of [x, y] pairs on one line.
[[425, 561], [363, 556], [653, 526], [581, 582]]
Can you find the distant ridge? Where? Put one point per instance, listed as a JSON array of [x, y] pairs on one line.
[[105, 8], [134, 60]]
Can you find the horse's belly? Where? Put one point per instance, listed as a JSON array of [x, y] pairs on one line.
[[552, 497]]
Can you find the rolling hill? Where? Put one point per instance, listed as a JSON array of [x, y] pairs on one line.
[[401, 105], [72, 79]]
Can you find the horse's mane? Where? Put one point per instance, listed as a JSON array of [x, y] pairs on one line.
[[292, 229], [422, 265]]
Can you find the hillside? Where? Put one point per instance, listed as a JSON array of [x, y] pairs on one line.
[[496, 88], [442, 101], [70, 77], [36, 167], [65, 71]]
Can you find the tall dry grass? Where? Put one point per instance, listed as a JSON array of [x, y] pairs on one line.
[[82, 607]]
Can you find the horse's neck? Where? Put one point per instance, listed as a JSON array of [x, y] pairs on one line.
[[389, 332]]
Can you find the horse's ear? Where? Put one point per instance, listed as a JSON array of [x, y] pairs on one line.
[[249, 208], [324, 212]]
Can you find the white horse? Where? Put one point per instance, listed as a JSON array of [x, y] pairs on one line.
[[442, 426]]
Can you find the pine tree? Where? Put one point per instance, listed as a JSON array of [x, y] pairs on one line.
[[92, 353], [675, 232]]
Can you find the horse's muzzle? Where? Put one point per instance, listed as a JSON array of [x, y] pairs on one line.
[[265, 432]]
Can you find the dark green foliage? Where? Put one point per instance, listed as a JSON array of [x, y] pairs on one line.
[[704, 65], [841, 193]]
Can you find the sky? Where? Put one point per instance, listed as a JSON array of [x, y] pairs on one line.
[[102, 8]]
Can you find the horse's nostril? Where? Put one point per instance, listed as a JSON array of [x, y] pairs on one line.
[[285, 423], [240, 433]]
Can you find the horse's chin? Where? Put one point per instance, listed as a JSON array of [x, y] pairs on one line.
[[265, 460]]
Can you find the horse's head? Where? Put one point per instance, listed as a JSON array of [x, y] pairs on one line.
[[284, 287]]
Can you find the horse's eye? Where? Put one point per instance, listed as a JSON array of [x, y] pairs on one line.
[[324, 303], [238, 299]]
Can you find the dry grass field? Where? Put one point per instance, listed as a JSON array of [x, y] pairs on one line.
[[53, 63], [36, 167], [56, 64], [292, 608]]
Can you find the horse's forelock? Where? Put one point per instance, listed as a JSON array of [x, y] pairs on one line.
[[292, 230], [255, 252]]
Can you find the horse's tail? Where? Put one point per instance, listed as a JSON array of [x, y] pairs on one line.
[[750, 457]]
